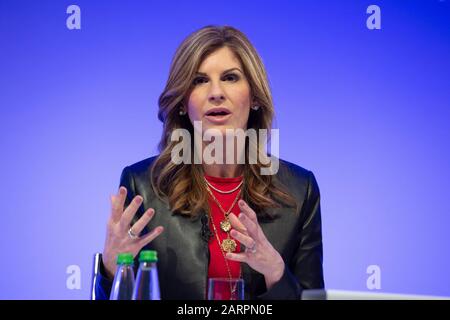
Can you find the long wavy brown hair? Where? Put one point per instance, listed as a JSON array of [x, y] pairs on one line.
[[182, 185]]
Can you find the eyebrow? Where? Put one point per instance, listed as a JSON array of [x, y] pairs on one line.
[[226, 71]]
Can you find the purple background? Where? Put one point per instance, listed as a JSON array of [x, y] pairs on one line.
[[366, 110]]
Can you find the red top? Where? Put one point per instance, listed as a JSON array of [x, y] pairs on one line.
[[217, 265]]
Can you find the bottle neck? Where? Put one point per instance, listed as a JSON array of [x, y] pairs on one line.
[[147, 265]]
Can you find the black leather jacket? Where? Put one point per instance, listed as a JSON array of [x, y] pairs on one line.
[[183, 248]]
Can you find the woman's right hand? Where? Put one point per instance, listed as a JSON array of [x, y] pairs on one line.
[[117, 238]]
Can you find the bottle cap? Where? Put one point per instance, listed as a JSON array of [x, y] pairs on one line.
[[125, 258], [148, 256]]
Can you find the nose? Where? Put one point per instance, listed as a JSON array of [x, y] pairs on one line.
[[216, 94]]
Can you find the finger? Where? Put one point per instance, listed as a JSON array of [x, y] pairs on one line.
[[252, 228], [241, 257], [143, 221], [247, 241], [236, 223], [248, 211], [115, 212], [129, 212], [150, 236], [117, 203]]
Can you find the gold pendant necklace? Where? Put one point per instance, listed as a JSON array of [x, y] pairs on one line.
[[228, 245], [232, 289], [225, 224]]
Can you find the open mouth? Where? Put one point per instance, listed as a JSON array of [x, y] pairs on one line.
[[217, 112], [218, 115]]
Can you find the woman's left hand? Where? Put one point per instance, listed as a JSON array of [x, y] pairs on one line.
[[259, 254]]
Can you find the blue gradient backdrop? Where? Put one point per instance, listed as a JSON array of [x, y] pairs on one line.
[[366, 110]]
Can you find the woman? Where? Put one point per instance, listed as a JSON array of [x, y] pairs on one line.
[[217, 219]]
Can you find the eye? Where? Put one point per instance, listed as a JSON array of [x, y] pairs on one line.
[[231, 77], [199, 80]]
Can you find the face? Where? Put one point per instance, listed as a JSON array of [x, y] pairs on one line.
[[220, 97]]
